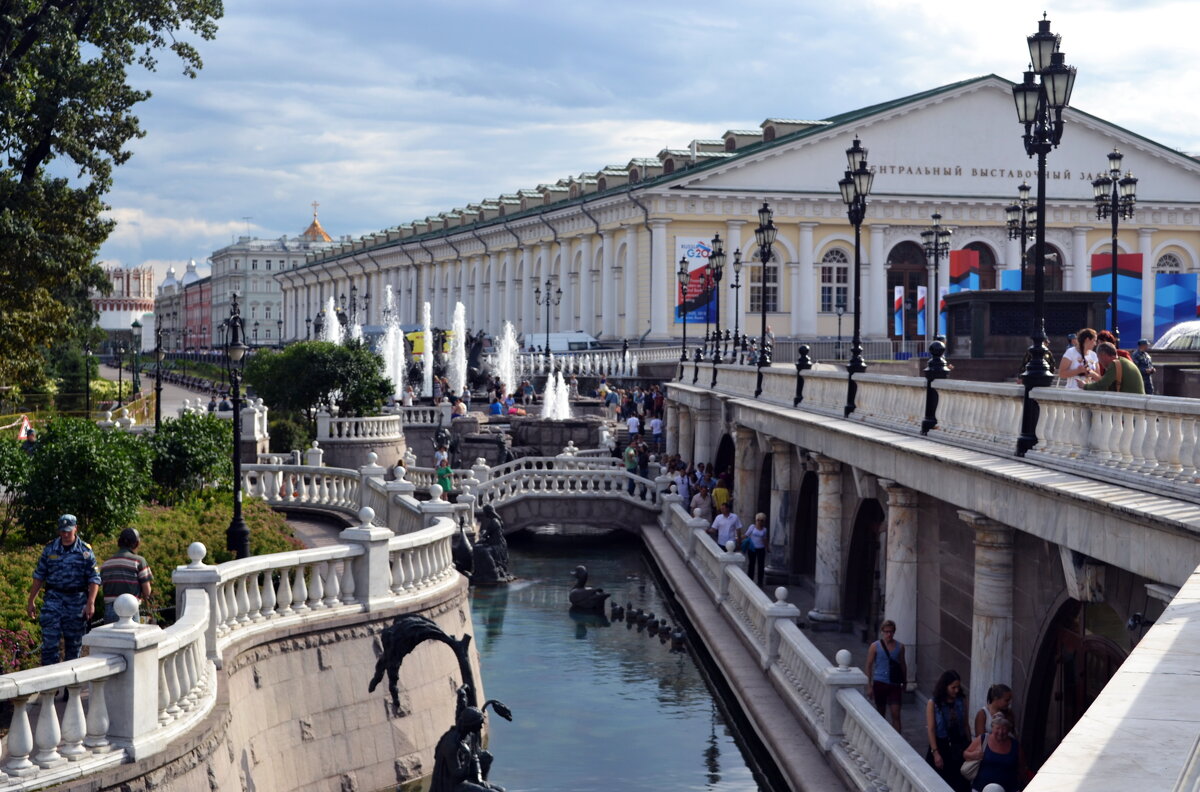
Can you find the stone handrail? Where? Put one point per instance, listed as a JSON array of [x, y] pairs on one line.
[[578, 462], [1148, 441], [824, 392], [892, 402], [326, 488], [419, 415], [981, 415], [426, 477], [368, 429], [827, 698], [557, 483]]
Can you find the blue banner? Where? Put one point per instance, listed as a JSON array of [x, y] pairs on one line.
[[1129, 292], [1174, 300], [1010, 280]]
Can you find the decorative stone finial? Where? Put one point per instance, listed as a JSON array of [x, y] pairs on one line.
[[730, 546], [435, 491], [365, 516], [781, 594], [372, 458], [843, 659], [196, 552], [126, 608]]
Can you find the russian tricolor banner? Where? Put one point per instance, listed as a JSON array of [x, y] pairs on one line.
[[922, 291], [898, 311]]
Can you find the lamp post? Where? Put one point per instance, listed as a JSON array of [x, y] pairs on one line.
[[855, 186], [716, 270], [841, 311], [764, 235], [308, 328], [683, 277], [135, 384], [706, 289], [1040, 100], [547, 301], [279, 326], [936, 241], [158, 359], [120, 375], [1115, 198], [737, 308], [237, 536], [1020, 215], [87, 376]]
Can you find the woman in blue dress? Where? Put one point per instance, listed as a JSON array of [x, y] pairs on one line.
[[1001, 754]]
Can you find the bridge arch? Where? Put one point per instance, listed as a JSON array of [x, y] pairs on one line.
[[861, 596], [725, 454], [804, 527]]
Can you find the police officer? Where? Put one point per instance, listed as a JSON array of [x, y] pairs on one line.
[[67, 571]]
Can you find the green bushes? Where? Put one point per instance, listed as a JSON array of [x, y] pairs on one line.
[[190, 452], [288, 435]]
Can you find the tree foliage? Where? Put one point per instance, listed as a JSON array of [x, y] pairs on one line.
[[65, 105], [306, 374], [191, 452]]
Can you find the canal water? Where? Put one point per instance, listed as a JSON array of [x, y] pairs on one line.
[[599, 706]]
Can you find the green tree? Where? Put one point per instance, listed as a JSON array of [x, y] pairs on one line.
[[309, 373], [100, 477], [14, 472], [66, 102], [190, 453]]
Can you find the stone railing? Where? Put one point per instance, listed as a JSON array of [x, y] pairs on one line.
[[981, 415], [891, 402], [423, 477], [559, 482], [826, 698], [576, 462], [321, 488], [419, 415], [1147, 441], [824, 391], [374, 428]]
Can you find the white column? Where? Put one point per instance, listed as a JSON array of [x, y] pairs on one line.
[[1081, 266], [489, 323], [873, 318], [747, 464], [1146, 248], [529, 317], [702, 432], [608, 301], [587, 303], [1012, 254], [661, 292], [672, 428], [566, 309], [901, 571], [508, 307], [804, 290], [778, 544], [827, 605], [687, 434], [632, 271], [991, 622]]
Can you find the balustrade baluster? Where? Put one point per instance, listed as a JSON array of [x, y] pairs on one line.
[[73, 728], [1187, 449], [169, 672], [347, 582], [97, 719], [410, 569], [243, 601], [1162, 448], [1098, 442], [164, 696], [187, 660], [300, 591], [283, 599], [48, 733], [20, 740], [1125, 421], [230, 596], [331, 583], [254, 595], [398, 582], [316, 588], [267, 605], [1146, 447]]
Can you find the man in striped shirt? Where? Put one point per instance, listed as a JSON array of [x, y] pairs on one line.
[[125, 573]]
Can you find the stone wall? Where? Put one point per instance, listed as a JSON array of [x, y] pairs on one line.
[[602, 512], [353, 453], [293, 713], [550, 437]]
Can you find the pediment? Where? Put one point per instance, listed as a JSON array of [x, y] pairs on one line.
[[962, 142]]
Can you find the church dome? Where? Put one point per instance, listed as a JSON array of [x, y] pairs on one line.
[[190, 276], [169, 282], [314, 232]]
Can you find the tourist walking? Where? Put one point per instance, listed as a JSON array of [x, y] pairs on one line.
[[756, 547], [946, 728], [721, 493], [643, 458], [656, 433], [726, 528], [999, 703], [1142, 359], [886, 672], [701, 505], [67, 571], [999, 756], [631, 463], [125, 572], [634, 425]]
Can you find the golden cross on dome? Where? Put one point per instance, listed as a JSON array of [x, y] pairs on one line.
[[314, 206]]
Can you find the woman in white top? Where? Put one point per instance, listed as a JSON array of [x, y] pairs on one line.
[[999, 703], [1077, 362]]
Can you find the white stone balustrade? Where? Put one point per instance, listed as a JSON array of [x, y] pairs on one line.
[[336, 489], [373, 429], [981, 415], [418, 415], [1148, 441], [825, 392], [612, 482], [875, 755], [892, 402]]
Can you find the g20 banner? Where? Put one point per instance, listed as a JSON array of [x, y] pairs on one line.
[[697, 299]]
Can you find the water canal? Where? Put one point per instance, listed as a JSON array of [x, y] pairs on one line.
[[599, 705]]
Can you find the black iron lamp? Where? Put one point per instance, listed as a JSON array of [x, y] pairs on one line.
[[684, 277], [764, 235], [1020, 216], [936, 242], [237, 536], [716, 270], [547, 300], [1115, 199], [855, 186]]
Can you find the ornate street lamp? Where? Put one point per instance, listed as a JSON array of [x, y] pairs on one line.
[[1040, 100], [308, 328], [764, 235], [237, 536], [737, 308], [120, 375], [684, 277], [855, 186], [256, 333], [1115, 198], [1020, 215], [548, 301], [936, 241], [135, 384], [353, 304], [279, 326], [158, 359], [840, 311], [716, 269]]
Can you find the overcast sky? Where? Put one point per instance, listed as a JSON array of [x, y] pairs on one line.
[[389, 111]]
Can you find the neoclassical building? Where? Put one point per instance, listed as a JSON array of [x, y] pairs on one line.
[[611, 239]]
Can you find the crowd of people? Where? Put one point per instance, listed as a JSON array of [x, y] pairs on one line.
[[1094, 361]]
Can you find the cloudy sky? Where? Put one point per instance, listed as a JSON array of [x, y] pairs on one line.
[[389, 111]]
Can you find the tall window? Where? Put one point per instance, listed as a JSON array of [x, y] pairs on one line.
[[267, 311], [835, 275], [771, 292], [268, 263], [1168, 262], [254, 264]]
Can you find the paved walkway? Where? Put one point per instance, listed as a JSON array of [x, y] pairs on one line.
[[172, 395]]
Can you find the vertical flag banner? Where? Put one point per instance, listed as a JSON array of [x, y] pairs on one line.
[[898, 311], [964, 270], [1010, 280], [942, 290], [1129, 292], [922, 291], [698, 299], [1174, 300]]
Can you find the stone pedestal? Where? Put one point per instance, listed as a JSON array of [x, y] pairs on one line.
[[827, 605], [901, 575], [991, 624]]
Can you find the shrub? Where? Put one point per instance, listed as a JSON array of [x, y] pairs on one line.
[[14, 472], [191, 452], [100, 477], [288, 435]]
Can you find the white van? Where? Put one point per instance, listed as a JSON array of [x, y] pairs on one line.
[[578, 341]]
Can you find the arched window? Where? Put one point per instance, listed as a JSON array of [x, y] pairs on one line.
[[771, 292], [1168, 262], [835, 277]]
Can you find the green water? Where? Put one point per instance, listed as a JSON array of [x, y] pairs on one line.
[[595, 706]]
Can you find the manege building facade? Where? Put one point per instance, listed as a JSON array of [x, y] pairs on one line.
[[612, 239]]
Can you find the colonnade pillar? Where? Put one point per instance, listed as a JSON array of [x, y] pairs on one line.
[[529, 324], [1146, 248], [900, 590], [661, 266], [608, 289], [702, 432], [587, 303], [992, 622], [745, 474], [874, 287], [672, 429], [804, 316], [827, 604], [1080, 270], [686, 434], [778, 547], [631, 330]]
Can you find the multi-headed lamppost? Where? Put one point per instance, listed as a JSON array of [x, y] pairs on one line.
[[1020, 215], [764, 235], [716, 270], [237, 536], [936, 241], [1040, 99], [548, 301], [1115, 198], [684, 277], [855, 186], [737, 307], [158, 359], [135, 384], [120, 375]]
